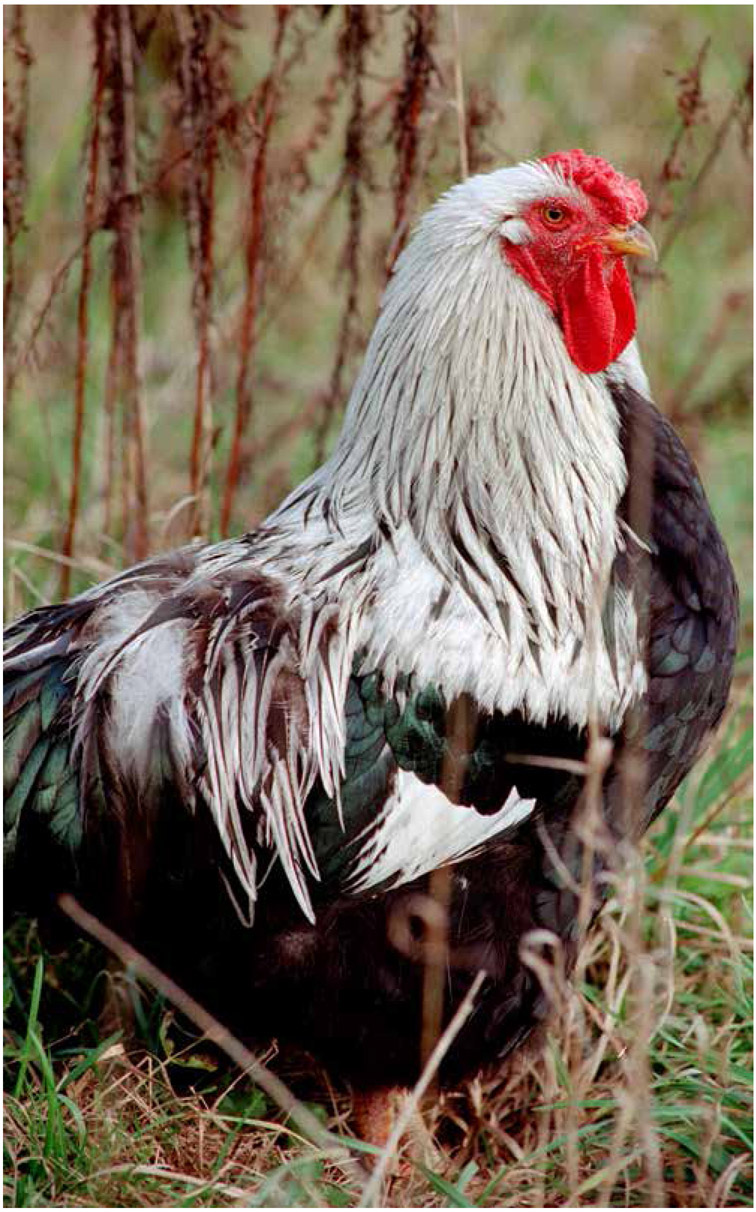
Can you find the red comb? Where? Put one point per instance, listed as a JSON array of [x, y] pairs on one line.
[[621, 200]]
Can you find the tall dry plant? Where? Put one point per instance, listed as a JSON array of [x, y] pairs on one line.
[[15, 176], [199, 90]]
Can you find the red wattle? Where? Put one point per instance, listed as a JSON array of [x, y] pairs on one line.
[[597, 317], [624, 308]]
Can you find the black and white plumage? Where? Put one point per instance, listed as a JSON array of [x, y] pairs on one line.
[[247, 756]]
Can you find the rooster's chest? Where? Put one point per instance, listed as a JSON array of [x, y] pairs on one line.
[[542, 663]]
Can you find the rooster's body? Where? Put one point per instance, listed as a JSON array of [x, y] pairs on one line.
[[248, 757]]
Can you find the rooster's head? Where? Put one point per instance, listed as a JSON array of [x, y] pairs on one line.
[[562, 224]]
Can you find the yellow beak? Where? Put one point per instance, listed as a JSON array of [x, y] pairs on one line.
[[632, 241]]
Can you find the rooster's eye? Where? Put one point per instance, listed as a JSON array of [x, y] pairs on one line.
[[555, 216]]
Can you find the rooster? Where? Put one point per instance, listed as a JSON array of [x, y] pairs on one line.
[[248, 757]]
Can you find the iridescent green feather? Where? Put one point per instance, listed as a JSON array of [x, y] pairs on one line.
[[39, 779]]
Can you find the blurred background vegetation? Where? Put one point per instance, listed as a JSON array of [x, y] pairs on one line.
[[201, 208]]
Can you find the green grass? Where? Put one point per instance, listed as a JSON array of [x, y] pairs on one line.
[[644, 1084]]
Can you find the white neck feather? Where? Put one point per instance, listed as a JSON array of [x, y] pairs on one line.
[[487, 470]]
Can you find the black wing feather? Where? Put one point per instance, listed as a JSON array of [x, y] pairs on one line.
[[692, 606]]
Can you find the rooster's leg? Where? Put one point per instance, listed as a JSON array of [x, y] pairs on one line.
[[375, 1113]]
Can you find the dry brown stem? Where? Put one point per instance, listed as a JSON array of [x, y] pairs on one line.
[[692, 109], [737, 106], [136, 522], [90, 201], [105, 220], [353, 44], [15, 180], [460, 739], [199, 126], [298, 167], [266, 111], [112, 376], [122, 212], [459, 93], [416, 75]]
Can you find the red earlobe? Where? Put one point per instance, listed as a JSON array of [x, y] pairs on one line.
[[521, 258]]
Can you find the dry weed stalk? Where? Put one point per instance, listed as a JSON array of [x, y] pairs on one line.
[[265, 115], [437, 955], [199, 124], [297, 171], [318, 225], [122, 214], [459, 94], [90, 202], [694, 112], [15, 180], [416, 75], [353, 43], [137, 535], [227, 121], [741, 100]]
